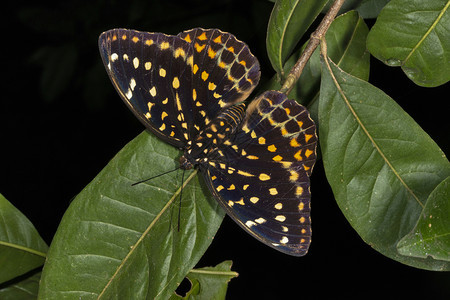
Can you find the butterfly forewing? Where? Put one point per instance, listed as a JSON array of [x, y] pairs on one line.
[[224, 71], [177, 84], [261, 176]]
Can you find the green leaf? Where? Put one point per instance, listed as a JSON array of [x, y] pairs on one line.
[[371, 8], [431, 236], [25, 289], [346, 44], [212, 281], [414, 34], [118, 241], [380, 164], [366, 8], [288, 22], [21, 247]]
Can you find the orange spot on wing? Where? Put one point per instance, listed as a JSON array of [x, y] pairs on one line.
[[187, 38], [202, 37], [211, 53], [199, 48]]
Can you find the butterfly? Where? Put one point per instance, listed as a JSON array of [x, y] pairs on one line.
[[189, 90]]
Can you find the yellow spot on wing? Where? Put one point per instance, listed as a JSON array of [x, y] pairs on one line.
[[175, 83], [136, 62], [277, 158], [149, 42], [273, 191], [218, 40], [204, 75], [272, 148], [280, 218], [294, 176], [231, 49], [260, 220], [194, 94], [148, 65], [261, 141], [299, 191], [162, 72], [301, 206], [308, 152], [264, 177], [179, 52], [243, 173], [241, 201], [211, 86], [254, 200], [222, 65], [153, 91], [164, 46], [195, 69], [135, 39]]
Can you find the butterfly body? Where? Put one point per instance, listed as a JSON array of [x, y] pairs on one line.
[[188, 90], [205, 146]]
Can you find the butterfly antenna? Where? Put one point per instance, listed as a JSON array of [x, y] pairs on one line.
[[133, 184]]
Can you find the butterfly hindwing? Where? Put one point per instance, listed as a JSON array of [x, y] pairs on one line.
[[261, 176]]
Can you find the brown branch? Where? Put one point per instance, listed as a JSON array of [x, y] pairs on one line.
[[314, 41]]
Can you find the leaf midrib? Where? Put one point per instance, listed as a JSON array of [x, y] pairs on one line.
[[283, 35], [433, 26], [369, 136], [144, 234]]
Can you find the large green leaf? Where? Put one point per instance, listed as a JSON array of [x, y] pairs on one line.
[[346, 43], [415, 35], [431, 236], [118, 241], [21, 247], [288, 22], [23, 289], [380, 164]]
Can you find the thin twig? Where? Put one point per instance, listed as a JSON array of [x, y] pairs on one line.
[[314, 41]]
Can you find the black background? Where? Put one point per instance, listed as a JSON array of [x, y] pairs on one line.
[[62, 121]]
